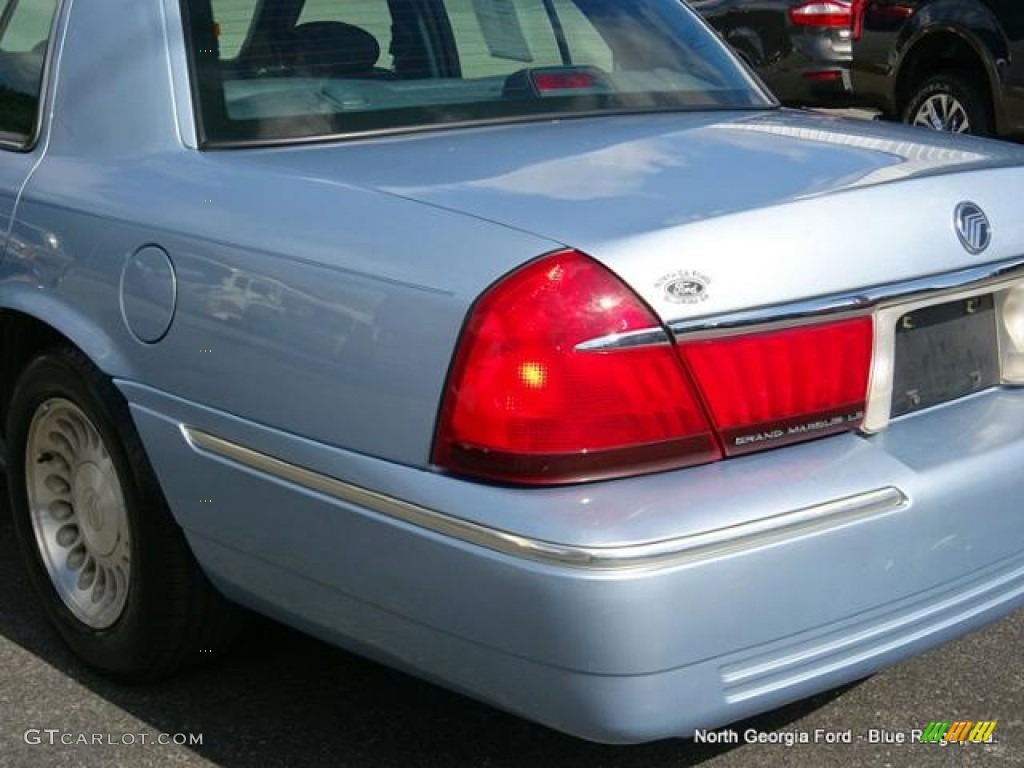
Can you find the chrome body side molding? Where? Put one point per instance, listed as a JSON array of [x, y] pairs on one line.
[[653, 554]]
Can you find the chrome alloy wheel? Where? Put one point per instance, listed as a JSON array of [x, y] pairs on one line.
[[77, 508], [943, 112]]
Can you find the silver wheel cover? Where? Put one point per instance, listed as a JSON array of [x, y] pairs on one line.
[[76, 504]]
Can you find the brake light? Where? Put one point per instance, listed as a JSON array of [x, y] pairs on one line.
[[857, 18], [524, 405], [530, 399], [776, 387], [821, 14], [564, 81]]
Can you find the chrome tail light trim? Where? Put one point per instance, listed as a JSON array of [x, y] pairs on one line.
[[929, 290], [886, 304]]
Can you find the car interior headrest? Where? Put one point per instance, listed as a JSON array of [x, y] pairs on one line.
[[333, 48]]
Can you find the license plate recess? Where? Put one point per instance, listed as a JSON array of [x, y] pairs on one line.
[[943, 352]]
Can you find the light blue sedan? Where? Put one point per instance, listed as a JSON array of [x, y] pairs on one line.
[[524, 345]]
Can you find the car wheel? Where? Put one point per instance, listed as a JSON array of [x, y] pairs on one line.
[[950, 102], [111, 567]]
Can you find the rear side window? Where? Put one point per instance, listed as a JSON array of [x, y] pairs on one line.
[[273, 70], [24, 33]]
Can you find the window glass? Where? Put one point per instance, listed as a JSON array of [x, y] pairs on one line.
[[23, 37], [28, 26], [232, 19], [585, 43], [497, 37], [282, 69]]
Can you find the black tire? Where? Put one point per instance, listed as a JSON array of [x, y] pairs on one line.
[[167, 615], [959, 104]]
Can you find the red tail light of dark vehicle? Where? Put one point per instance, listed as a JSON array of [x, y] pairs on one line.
[[857, 18], [821, 14]]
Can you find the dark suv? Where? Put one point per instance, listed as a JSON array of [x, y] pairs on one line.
[[953, 65], [800, 48]]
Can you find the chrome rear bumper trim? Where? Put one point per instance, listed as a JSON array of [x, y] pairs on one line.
[[653, 554]]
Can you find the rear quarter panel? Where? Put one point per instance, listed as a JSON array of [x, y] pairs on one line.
[[325, 310]]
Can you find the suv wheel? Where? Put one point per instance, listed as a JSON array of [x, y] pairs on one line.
[[950, 102]]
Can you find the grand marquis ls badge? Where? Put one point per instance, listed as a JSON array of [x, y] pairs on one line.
[[972, 227]]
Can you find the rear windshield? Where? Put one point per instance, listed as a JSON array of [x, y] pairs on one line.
[[272, 70]]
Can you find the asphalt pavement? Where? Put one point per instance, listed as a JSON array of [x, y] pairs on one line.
[[283, 699]]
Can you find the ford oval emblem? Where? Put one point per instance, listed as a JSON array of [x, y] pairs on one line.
[[972, 227], [685, 290], [685, 286]]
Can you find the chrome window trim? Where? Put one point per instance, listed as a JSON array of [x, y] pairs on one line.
[[176, 57], [663, 553]]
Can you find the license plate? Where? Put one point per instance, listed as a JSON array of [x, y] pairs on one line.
[[944, 352]]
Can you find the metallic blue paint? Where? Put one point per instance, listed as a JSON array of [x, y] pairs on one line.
[[321, 290], [638, 654]]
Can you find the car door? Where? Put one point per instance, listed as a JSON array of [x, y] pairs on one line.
[[24, 36]]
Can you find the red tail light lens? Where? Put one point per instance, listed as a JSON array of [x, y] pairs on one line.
[[524, 405], [821, 14], [772, 388]]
